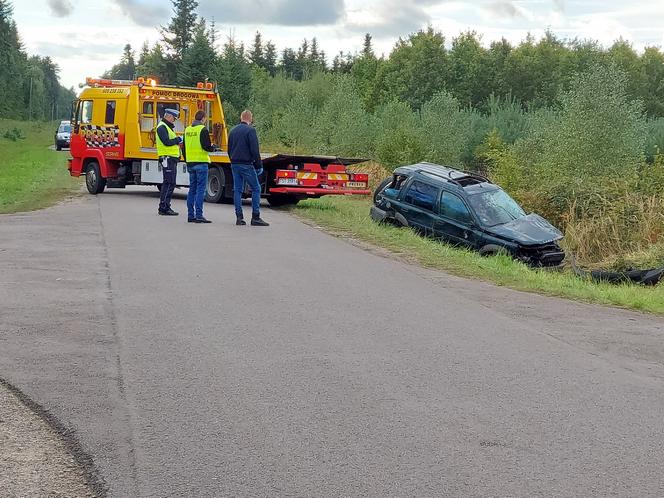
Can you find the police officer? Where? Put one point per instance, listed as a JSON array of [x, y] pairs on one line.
[[168, 150], [195, 151]]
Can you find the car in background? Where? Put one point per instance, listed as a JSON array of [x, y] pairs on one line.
[[63, 135], [467, 210]]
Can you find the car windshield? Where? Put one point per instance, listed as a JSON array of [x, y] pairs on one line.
[[64, 129], [495, 207]]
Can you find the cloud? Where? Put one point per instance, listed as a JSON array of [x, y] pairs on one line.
[[559, 6], [144, 12], [61, 8], [274, 12], [505, 9], [389, 18]]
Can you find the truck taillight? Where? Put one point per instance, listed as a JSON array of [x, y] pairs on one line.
[[282, 173], [360, 177]]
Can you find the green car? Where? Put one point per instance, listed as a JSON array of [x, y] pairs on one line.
[[465, 209]]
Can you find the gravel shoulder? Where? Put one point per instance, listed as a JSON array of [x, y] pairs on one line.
[[35, 461]]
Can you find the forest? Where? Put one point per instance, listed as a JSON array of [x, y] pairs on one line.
[[29, 85]]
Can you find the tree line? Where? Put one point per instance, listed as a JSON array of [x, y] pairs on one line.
[[420, 65], [29, 85]]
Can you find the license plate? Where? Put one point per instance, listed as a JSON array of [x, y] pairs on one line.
[[287, 181], [356, 184]]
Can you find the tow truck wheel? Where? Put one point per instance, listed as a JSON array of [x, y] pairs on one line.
[[216, 184], [276, 200], [93, 180]]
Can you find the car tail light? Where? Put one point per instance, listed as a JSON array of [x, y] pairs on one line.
[[282, 173]]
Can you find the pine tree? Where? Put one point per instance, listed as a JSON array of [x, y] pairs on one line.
[[155, 65], [367, 48], [256, 55], [199, 59], [289, 63], [179, 33], [270, 57], [233, 74]]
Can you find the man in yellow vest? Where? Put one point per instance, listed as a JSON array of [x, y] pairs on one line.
[[168, 150], [197, 144]]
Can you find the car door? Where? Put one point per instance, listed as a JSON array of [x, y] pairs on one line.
[[417, 204], [454, 222]]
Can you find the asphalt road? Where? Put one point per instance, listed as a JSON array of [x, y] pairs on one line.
[[215, 360]]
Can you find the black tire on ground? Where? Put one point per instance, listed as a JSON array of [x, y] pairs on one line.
[[277, 200], [381, 187], [58, 147], [216, 185], [492, 250], [93, 180]]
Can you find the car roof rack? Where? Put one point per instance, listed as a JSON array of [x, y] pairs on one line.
[[448, 176]]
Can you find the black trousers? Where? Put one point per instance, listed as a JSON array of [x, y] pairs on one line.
[[169, 171]]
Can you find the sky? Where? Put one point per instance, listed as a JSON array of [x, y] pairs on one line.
[[85, 38]]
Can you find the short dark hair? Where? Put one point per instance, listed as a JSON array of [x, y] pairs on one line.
[[199, 115]]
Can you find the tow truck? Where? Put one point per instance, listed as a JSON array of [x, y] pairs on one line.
[[113, 145]]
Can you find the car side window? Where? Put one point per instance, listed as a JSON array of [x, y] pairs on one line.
[[422, 195], [453, 207]]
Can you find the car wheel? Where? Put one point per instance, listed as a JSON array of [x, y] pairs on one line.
[[381, 187], [216, 185], [93, 179], [492, 250]]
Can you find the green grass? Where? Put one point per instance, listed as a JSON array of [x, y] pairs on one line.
[[31, 175], [350, 218]]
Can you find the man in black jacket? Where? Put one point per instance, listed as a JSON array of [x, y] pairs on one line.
[[246, 165]]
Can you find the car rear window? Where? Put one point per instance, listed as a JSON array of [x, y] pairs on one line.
[[422, 195]]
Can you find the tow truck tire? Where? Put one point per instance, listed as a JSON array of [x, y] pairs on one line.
[[216, 185], [277, 200], [93, 180]]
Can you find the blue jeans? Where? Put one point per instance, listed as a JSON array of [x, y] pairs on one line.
[[198, 174], [246, 173]]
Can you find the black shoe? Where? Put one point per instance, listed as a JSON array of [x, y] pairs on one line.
[[191, 220], [202, 220], [257, 222], [170, 212], [240, 222]]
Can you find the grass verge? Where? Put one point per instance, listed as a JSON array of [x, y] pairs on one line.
[[32, 176], [350, 218]]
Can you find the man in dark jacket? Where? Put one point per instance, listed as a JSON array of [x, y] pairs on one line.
[[246, 165], [168, 150], [195, 151]]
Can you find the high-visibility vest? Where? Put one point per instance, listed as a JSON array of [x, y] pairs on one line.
[[192, 145], [167, 150]]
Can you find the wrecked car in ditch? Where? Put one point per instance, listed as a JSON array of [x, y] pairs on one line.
[[465, 209]]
